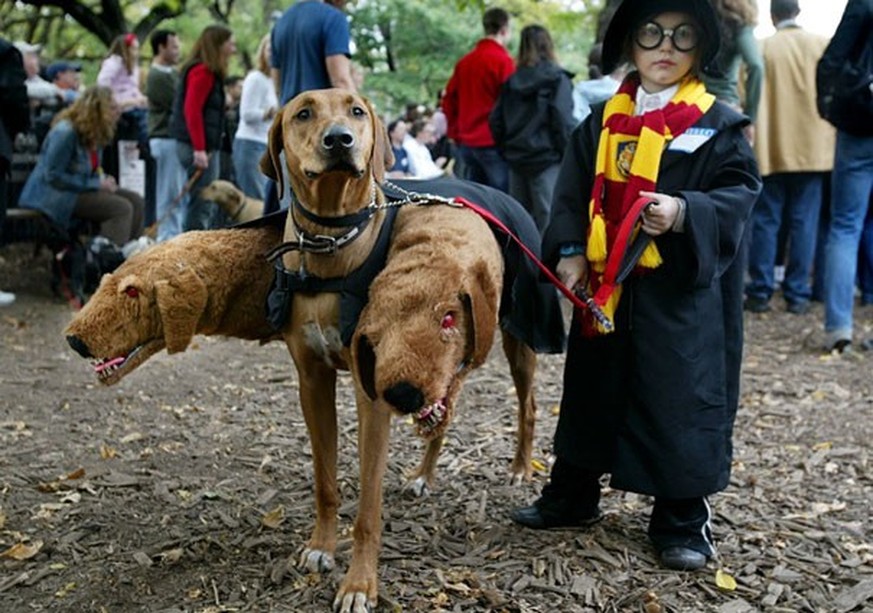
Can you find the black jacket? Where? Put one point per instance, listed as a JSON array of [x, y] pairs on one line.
[[213, 113], [533, 117], [654, 402], [14, 109]]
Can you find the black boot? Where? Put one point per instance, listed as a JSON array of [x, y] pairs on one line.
[[570, 500]]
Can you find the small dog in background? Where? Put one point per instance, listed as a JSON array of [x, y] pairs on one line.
[[238, 207]]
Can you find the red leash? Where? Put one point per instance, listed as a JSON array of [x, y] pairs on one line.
[[580, 299]]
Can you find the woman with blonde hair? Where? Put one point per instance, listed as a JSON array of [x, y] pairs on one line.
[[197, 122], [68, 182], [257, 108], [120, 73]]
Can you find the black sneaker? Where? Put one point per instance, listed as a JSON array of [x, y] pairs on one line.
[[798, 308], [753, 304], [550, 513]]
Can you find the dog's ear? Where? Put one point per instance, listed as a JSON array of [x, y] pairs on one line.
[[364, 364], [480, 302], [382, 157], [271, 161], [181, 303]]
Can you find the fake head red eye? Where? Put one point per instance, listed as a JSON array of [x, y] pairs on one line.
[[448, 321], [131, 291]]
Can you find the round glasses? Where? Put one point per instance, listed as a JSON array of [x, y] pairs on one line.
[[651, 35]]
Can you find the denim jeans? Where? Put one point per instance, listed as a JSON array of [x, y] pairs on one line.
[[246, 159], [534, 192], [795, 197], [865, 261], [199, 214], [484, 165], [851, 189], [169, 180]]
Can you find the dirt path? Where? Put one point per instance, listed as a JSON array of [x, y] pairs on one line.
[[158, 494]]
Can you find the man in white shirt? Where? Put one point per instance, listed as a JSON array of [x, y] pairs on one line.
[[40, 91]]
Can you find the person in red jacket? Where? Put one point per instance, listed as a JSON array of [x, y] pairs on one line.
[[197, 122], [471, 94]]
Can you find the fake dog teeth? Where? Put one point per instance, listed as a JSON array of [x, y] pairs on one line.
[[432, 415]]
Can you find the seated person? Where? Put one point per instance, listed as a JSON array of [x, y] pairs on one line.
[[396, 134], [66, 77], [421, 164], [68, 181]]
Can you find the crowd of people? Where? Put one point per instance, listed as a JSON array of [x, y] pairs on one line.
[[708, 146]]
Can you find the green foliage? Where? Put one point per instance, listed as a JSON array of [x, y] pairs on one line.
[[407, 49]]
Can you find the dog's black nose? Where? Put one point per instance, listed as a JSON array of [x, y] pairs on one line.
[[405, 396], [338, 138], [79, 346]]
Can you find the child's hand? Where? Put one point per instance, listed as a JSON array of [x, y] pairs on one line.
[[573, 271], [659, 216]]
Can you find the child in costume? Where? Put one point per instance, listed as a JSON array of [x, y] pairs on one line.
[[651, 399]]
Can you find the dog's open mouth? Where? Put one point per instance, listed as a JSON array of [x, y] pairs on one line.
[[111, 370], [432, 417]]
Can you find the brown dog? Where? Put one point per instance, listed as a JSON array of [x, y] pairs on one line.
[[431, 317], [238, 207], [212, 282]]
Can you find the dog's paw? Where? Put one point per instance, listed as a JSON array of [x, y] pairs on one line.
[[353, 602], [316, 561], [518, 477], [418, 487]]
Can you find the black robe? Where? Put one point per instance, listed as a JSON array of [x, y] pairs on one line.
[[654, 402]]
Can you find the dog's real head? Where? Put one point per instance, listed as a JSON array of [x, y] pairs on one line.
[[417, 340], [149, 303], [329, 136]]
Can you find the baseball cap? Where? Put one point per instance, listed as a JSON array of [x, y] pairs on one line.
[[55, 68], [25, 47]]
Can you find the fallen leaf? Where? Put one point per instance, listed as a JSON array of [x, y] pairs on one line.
[[107, 452], [76, 474], [22, 551], [275, 517], [725, 580]]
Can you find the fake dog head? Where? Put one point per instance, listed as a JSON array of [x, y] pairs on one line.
[[332, 140], [211, 282], [425, 328]]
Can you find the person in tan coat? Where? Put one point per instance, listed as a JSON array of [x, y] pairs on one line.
[[795, 150]]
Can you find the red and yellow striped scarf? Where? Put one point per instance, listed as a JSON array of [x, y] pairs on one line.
[[628, 161]]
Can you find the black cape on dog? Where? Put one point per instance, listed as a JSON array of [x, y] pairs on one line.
[[529, 307]]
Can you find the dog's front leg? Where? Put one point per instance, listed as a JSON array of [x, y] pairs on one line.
[[318, 403], [522, 364], [358, 591], [423, 478]]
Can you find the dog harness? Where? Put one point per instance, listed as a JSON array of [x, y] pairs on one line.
[[353, 288]]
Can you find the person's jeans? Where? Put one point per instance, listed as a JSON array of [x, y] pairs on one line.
[[865, 260], [246, 165], [796, 197], [534, 192], [484, 165], [199, 214], [169, 180], [851, 189]]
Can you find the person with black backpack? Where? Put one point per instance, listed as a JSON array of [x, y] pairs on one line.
[[845, 98], [532, 120], [14, 118]]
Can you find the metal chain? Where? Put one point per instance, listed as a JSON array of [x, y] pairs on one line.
[[416, 198]]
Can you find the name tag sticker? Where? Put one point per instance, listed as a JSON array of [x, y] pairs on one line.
[[691, 139]]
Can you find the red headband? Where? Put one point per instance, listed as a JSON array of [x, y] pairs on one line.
[[129, 39]]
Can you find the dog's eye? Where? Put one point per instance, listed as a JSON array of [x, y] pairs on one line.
[[131, 291], [448, 321], [303, 114], [358, 111]]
